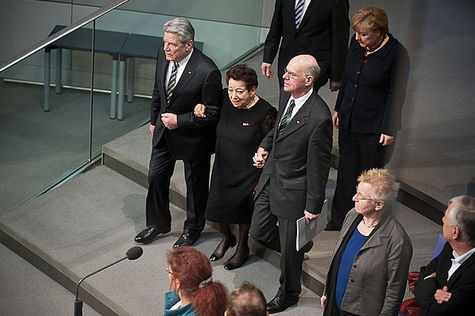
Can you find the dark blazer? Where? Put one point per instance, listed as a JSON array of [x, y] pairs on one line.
[[372, 93], [461, 284], [299, 160], [200, 83], [323, 33]]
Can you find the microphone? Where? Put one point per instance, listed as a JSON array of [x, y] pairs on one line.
[[131, 254]]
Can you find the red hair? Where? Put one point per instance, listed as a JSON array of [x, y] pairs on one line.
[[193, 269]]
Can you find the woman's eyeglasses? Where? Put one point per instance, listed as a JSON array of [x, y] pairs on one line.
[[358, 196]]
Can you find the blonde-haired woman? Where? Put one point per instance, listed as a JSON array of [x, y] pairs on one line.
[[368, 272]]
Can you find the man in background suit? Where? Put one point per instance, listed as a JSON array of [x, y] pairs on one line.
[[296, 161], [315, 27], [447, 285], [184, 77]]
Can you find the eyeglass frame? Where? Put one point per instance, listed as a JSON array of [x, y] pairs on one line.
[[168, 271], [293, 75], [357, 196]]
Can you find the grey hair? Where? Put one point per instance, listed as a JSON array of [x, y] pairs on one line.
[[182, 27], [314, 71], [463, 216]]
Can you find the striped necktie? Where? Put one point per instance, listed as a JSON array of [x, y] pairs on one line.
[[172, 82], [286, 118], [299, 13]]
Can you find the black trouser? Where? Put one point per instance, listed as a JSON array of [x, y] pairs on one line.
[[197, 181], [265, 230], [358, 152]]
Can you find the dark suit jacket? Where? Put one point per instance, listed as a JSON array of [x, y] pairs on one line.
[[461, 284], [299, 160], [200, 83], [323, 33], [372, 94]]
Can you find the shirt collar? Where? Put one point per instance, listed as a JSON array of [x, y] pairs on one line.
[[461, 259], [182, 63], [301, 101]]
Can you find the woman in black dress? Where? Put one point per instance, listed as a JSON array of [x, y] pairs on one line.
[[245, 119]]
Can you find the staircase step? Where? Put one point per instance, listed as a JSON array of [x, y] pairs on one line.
[[130, 154], [91, 220]]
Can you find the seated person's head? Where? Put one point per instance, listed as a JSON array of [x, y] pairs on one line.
[[190, 274], [459, 220], [246, 300]]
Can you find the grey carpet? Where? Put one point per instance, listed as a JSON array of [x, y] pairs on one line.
[[24, 290]]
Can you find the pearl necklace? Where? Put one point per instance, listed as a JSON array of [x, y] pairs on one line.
[[369, 226], [377, 47]]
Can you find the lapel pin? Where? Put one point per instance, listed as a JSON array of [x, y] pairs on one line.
[[298, 122], [245, 124], [189, 72]]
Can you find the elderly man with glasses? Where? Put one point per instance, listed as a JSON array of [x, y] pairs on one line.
[[295, 174]]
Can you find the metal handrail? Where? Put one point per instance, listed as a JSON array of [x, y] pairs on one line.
[[91, 17]]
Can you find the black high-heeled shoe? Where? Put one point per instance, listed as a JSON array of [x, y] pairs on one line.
[[235, 262], [218, 255]]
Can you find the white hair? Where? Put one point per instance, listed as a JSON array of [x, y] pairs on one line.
[[182, 27], [463, 216]]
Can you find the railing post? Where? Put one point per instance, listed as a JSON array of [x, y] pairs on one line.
[[91, 100], [46, 80]]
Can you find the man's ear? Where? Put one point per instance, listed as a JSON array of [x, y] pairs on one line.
[[189, 45], [456, 232], [308, 81]]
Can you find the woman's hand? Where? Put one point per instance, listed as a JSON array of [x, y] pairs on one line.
[[335, 119], [260, 158], [322, 301], [386, 140], [199, 110]]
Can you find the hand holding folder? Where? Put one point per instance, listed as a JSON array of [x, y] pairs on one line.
[[306, 232]]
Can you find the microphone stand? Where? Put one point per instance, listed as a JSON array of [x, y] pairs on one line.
[[77, 301]]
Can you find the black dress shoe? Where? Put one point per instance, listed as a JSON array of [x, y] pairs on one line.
[[235, 261], [218, 255], [186, 239], [280, 303], [149, 233], [332, 227]]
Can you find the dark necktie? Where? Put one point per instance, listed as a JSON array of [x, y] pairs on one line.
[[299, 13], [172, 82], [286, 118]]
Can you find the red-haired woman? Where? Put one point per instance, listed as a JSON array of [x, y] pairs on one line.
[[193, 291]]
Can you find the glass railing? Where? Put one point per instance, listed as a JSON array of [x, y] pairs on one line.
[[60, 104]]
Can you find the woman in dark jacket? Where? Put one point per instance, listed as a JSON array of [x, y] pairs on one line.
[[368, 108]]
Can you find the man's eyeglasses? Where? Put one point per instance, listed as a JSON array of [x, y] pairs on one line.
[[293, 75]]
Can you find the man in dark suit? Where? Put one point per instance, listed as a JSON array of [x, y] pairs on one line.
[[184, 77], [296, 161], [315, 27], [447, 285]]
